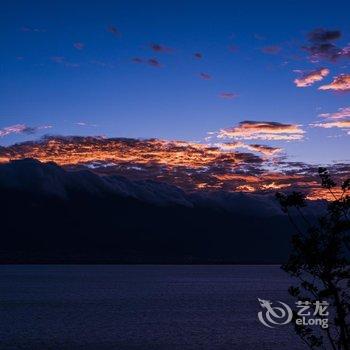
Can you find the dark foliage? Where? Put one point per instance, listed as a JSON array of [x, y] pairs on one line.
[[320, 261]]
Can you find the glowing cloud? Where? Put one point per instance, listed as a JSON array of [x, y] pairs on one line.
[[340, 83], [188, 165], [311, 77], [256, 130]]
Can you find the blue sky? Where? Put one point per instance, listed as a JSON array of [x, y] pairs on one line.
[[45, 80]]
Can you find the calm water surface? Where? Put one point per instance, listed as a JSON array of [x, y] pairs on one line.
[[140, 308]]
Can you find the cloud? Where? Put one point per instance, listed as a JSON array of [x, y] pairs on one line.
[[160, 48], [205, 76], [340, 83], [21, 129], [137, 60], [343, 124], [62, 60], [73, 65], [71, 150], [102, 64], [228, 95], [271, 50], [263, 149], [233, 48], [259, 37], [310, 78], [114, 30], [322, 46], [154, 62], [34, 30], [256, 130], [188, 165], [79, 46], [148, 61], [86, 124], [322, 35], [266, 150], [340, 114], [57, 59]]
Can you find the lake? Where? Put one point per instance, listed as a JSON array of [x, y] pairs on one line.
[[140, 307]]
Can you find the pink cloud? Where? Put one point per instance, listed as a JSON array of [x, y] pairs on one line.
[[310, 78], [256, 130], [340, 114]]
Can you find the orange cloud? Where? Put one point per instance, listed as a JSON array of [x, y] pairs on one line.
[[312, 77], [76, 150], [340, 83], [255, 130], [188, 165]]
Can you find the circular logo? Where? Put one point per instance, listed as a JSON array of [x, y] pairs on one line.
[[273, 316]]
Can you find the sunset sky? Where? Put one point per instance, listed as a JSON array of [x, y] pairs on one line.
[[264, 78]]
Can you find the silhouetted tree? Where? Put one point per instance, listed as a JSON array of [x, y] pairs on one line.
[[320, 262]]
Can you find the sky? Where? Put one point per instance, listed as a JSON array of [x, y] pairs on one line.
[[227, 74]]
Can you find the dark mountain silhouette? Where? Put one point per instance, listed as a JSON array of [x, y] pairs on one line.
[[49, 214]]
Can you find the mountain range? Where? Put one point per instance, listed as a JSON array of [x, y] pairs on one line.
[[53, 215]]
